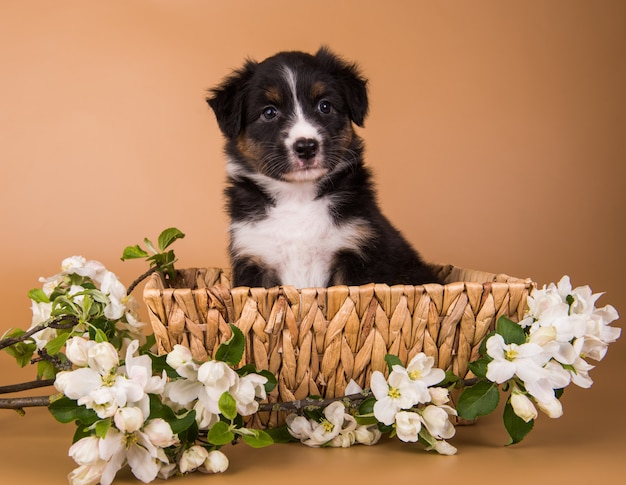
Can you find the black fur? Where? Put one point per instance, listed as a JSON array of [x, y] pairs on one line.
[[255, 144]]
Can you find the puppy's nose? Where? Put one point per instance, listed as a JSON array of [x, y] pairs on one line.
[[306, 148]]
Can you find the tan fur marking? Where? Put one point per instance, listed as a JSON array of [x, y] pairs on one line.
[[317, 90], [273, 95], [252, 151]]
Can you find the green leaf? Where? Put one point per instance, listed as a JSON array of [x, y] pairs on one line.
[[231, 351], [56, 344], [479, 367], [392, 360], [66, 410], [271, 383], [227, 406], [149, 245], [168, 236], [45, 370], [38, 296], [134, 252], [220, 434], [159, 364], [515, 426], [280, 435], [22, 352], [102, 427], [178, 423], [511, 332], [183, 422], [259, 439], [367, 406], [482, 349], [479, 400]]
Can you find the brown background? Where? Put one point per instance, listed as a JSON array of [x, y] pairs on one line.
[[496, 135]]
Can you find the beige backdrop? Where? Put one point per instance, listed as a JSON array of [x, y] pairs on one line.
[[496, 135]]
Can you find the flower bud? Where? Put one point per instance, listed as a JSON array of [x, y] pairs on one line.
[[77, 350], [345, 439], [216, 462], [129, 419], [103, 358], [523, 407], [437, 422], [408, 426], [443, 448], [439, 395], [87, 474], [367, 435], [85, 451], [160, 433], [179, 356], [192, 458], [551, 407]]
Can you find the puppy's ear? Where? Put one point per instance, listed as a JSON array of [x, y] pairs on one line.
[[354, 85], [227, 100]]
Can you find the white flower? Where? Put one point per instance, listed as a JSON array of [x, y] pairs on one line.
[[217, 378], [439, 395], [77, 350], [330, 426], [443, 448], [116, 293], [367, 435], [73, 264], [87, 474], [352, 388], [103, 358], [315, 434], [216, 462], [248, 389], [128, 419], [179, 356], [526, 361], [299, 427], [392, 396], [437, 422], [552, 407], [204, 417], [160, 433], [192, 459], [144, 457], [522, 406], [420, 368], [85, 451], [408, 425]]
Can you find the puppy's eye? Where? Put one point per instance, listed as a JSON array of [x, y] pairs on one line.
[[324, 107], [269, 113]]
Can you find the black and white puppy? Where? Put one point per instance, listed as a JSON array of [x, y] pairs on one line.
[[302, 205]]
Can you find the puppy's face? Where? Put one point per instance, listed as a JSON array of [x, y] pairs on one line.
[[290, 116]]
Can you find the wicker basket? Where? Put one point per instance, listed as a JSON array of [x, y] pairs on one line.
[[316, 339]]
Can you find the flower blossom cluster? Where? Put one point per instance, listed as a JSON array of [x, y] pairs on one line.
[[563, 329], [79, 285], [405, 401], [119, 395], [336, 428], [202, 385]]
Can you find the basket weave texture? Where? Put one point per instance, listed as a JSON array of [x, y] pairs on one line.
[[315, 340]]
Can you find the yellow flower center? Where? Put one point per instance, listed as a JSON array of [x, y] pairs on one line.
[[510, 355], [327, 425], [130, 440], [394, 393], [415, 375]]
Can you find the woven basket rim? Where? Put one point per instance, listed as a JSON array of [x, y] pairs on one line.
[[448, 273]]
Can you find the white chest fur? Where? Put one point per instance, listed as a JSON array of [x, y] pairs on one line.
[[298, 238]]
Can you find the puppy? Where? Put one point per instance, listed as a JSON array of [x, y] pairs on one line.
[[302, 205]]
